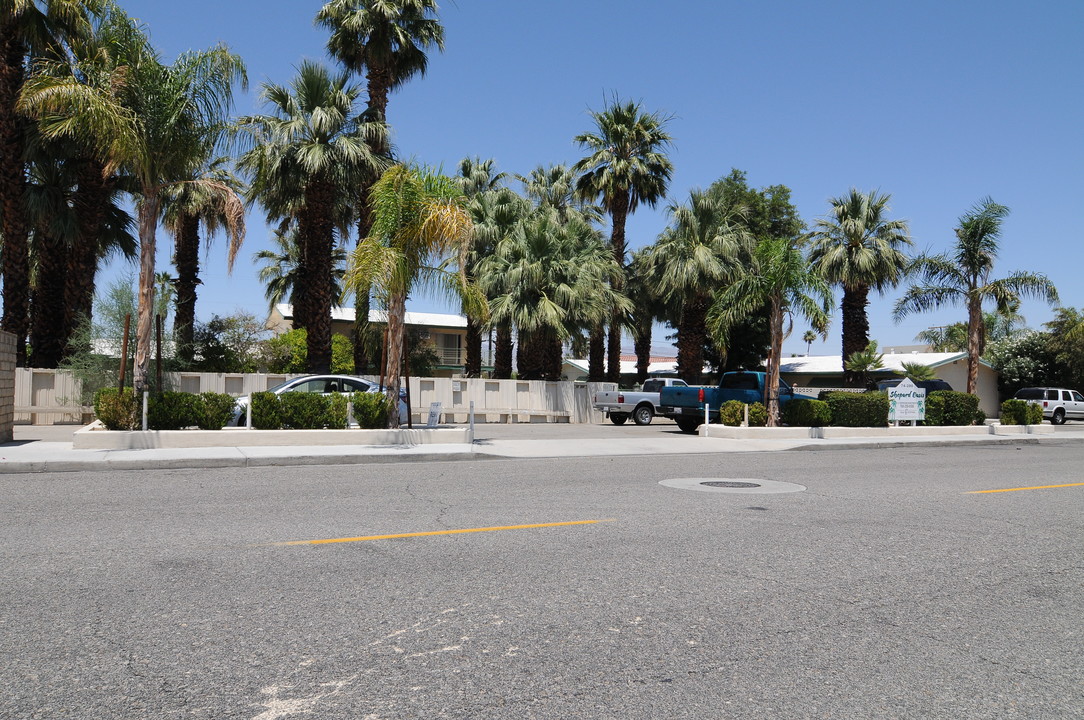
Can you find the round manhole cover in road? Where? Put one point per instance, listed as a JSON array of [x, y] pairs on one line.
[[733, 485]]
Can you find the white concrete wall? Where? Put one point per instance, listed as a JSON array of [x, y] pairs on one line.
[[58, 389]]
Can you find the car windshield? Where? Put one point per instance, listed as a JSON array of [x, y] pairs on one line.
[[1030, 394]]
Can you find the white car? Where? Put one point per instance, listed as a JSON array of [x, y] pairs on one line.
[[324, 385], [1058, 404]]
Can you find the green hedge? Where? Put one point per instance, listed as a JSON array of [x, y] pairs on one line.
[[1021, 412], [732, 413], [371, 410], [948, 407], [858, 409], [806, 413], [117, 410], [173, 410], [217, 410], [266, 412]]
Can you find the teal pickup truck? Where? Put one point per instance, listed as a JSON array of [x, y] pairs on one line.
[[685, 405]]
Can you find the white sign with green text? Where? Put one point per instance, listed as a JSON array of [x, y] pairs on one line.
[[906, 401]]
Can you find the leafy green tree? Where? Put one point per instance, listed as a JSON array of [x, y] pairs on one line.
[[860, 249], [279, 271], [864, 363], [228, 344], [420, 224], [307, 159], [1027, 359], [779, 277], [964, 277], [627, 165]]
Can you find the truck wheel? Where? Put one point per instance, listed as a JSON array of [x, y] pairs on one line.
[[619, 418], [1058, 417], [688, 424], [642, 415]]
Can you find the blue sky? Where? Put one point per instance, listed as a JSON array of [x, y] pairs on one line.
[[938, 104]]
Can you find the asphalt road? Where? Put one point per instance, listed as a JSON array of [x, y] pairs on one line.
[[883, 590]]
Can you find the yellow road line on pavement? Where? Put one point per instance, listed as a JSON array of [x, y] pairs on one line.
[[1037, 487], [439, 532]]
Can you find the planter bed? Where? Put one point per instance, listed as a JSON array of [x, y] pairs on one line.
[[96, 437], [830, 432]]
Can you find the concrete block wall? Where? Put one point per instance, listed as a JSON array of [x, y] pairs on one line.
[[7, 386]]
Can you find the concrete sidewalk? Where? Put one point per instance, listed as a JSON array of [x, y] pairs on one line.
[[49, 449]]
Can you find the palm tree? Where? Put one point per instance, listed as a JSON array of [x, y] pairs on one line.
[[858, 248], [781, 278], [864, 363], [964, 277], [697, 251], [809, 337], [548, 279], [626, 166], [420, 224], [916, 371], [27, 28], [387, 40], [647, 306], [308, 158], [279, 273], [210, 199]]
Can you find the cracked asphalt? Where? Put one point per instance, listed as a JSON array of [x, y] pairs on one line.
[[884, 590]]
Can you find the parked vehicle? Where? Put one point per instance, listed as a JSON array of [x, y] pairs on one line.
[[642, 405], [686, 404], [323, 384], [1059, 404], [929, 385]]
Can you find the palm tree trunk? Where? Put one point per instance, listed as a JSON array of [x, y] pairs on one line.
[[619, 212], [47, 341], [89, 202], [148, 221], [690, 341], [13, 223], [317, 232], [396, 325], [643, 352], [974, 342], [473, 367], [855, 327], [502, 354], [554, 352], [186, 257], [596, 370], [529, 355], [775, 355], [362, 331]]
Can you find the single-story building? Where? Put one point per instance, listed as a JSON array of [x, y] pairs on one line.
[[825, 371], [447, 332]]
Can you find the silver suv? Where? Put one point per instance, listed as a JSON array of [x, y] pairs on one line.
[[1058, 404]]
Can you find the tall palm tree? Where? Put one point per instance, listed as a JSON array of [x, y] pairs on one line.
[[808, 337], [212, 200], [860, 249], [781, 278], [421, 234], [27, 28], [627, 165], [963, 276], [388, 42], [548, 279], [698, 250], [647, 306], [308, 158]]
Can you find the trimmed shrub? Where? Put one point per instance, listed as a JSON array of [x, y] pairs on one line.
[[217, 410], [758, 415], [266, 411], [303, 410], [948, 407], [980, 417], [173, 410], [858, 409], [806, 413], [371, 410], [1020, 412], [732, 413], [336, 410], [117, 410]]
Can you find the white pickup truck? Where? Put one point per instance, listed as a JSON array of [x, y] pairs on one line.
[[642, 405]]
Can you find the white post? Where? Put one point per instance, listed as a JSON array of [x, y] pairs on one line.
[[472, 417], [349, 413], [248, 414], [146, 395], [707, 413], [745, 421]]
